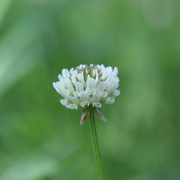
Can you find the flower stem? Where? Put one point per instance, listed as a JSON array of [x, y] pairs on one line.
[[95, 144]]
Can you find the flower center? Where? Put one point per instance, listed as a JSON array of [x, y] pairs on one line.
[[91, 70]]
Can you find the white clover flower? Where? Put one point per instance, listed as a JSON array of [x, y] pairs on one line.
[[88, 85]]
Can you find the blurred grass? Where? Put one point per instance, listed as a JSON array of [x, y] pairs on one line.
[[4, 8], [42, 140]]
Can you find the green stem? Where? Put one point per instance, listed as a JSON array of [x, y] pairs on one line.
[[95, 144]]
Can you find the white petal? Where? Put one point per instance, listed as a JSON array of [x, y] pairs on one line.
[[84, 103], [75, 100], [76, 94], [65, 92], [112, 85], [104, 74], [116, 80], [100, 66], [97, 104], [72, 106], [109, 70], [94, 72], [91, 83], [69, 85], [65, 73], [109, 82], [95, 98], [84, 95], [63, 83], [115, 72], [110, 79], [112, 100], [109, 100], [64, 102], [115, 93], [101, 86], [97, 77], [58, 86], [104, 94], [73, 72], [82, 66], [60, 77], [80, 77], [90, 91], [78, 85], [73, 79]]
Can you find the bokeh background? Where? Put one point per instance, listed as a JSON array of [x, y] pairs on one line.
[[40, 139]]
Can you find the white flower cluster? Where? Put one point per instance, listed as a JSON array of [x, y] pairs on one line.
[[87, 85]]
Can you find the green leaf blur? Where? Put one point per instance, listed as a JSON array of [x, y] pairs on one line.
[[42, 140]]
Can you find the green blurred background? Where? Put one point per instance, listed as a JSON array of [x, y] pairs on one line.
[[40, 139]]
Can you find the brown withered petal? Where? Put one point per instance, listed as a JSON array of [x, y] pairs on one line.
[[83, 117], [100, 115]]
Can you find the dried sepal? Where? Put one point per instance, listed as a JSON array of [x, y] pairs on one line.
[[100, 115], [83, 117]]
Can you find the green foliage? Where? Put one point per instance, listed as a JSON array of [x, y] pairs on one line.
[[42, 140]]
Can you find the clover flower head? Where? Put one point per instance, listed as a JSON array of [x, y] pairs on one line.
[[87, 85]]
